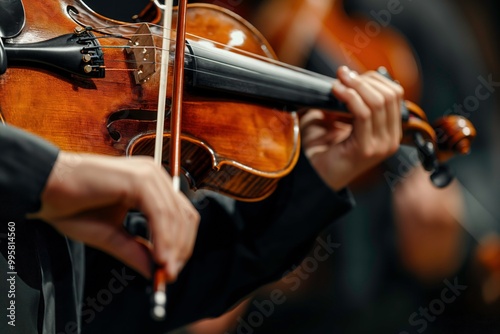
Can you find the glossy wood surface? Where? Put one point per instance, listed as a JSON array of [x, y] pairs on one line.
[[114, 115]]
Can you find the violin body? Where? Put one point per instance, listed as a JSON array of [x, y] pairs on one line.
[[234, 146]]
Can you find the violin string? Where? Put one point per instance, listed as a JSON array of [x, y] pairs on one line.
[[222, 45], [217, 75], [117, 69], [213, 50], [226, 46], [261, 84], [235, 79]]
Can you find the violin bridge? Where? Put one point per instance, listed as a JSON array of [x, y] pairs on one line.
[[143, 52]]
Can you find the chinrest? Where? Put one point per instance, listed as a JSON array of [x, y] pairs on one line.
[[12, 18]]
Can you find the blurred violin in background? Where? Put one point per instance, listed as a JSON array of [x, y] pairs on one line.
[[338, 38]]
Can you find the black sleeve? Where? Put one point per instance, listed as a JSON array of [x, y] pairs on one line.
[[275, 234], [24, 168], [25, 165], [236, 252]]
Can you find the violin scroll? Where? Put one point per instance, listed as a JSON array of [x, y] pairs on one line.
[[448, 136], [454, 135]]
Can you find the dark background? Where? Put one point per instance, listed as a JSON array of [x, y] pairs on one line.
[[451, 62]]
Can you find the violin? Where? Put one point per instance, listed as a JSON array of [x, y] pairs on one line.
[[90, 84]]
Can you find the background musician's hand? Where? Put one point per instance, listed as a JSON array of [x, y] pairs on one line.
[[341, 152], [87, 198], [429, 234]]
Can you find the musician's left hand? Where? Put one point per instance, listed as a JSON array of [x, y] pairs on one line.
[[340, 153]]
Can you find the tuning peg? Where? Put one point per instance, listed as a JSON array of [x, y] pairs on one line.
[[442, 176], [426, 152]]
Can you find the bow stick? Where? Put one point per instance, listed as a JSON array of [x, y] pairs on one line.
[[160, 295]]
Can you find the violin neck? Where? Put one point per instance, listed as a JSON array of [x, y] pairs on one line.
[[229, 72]]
